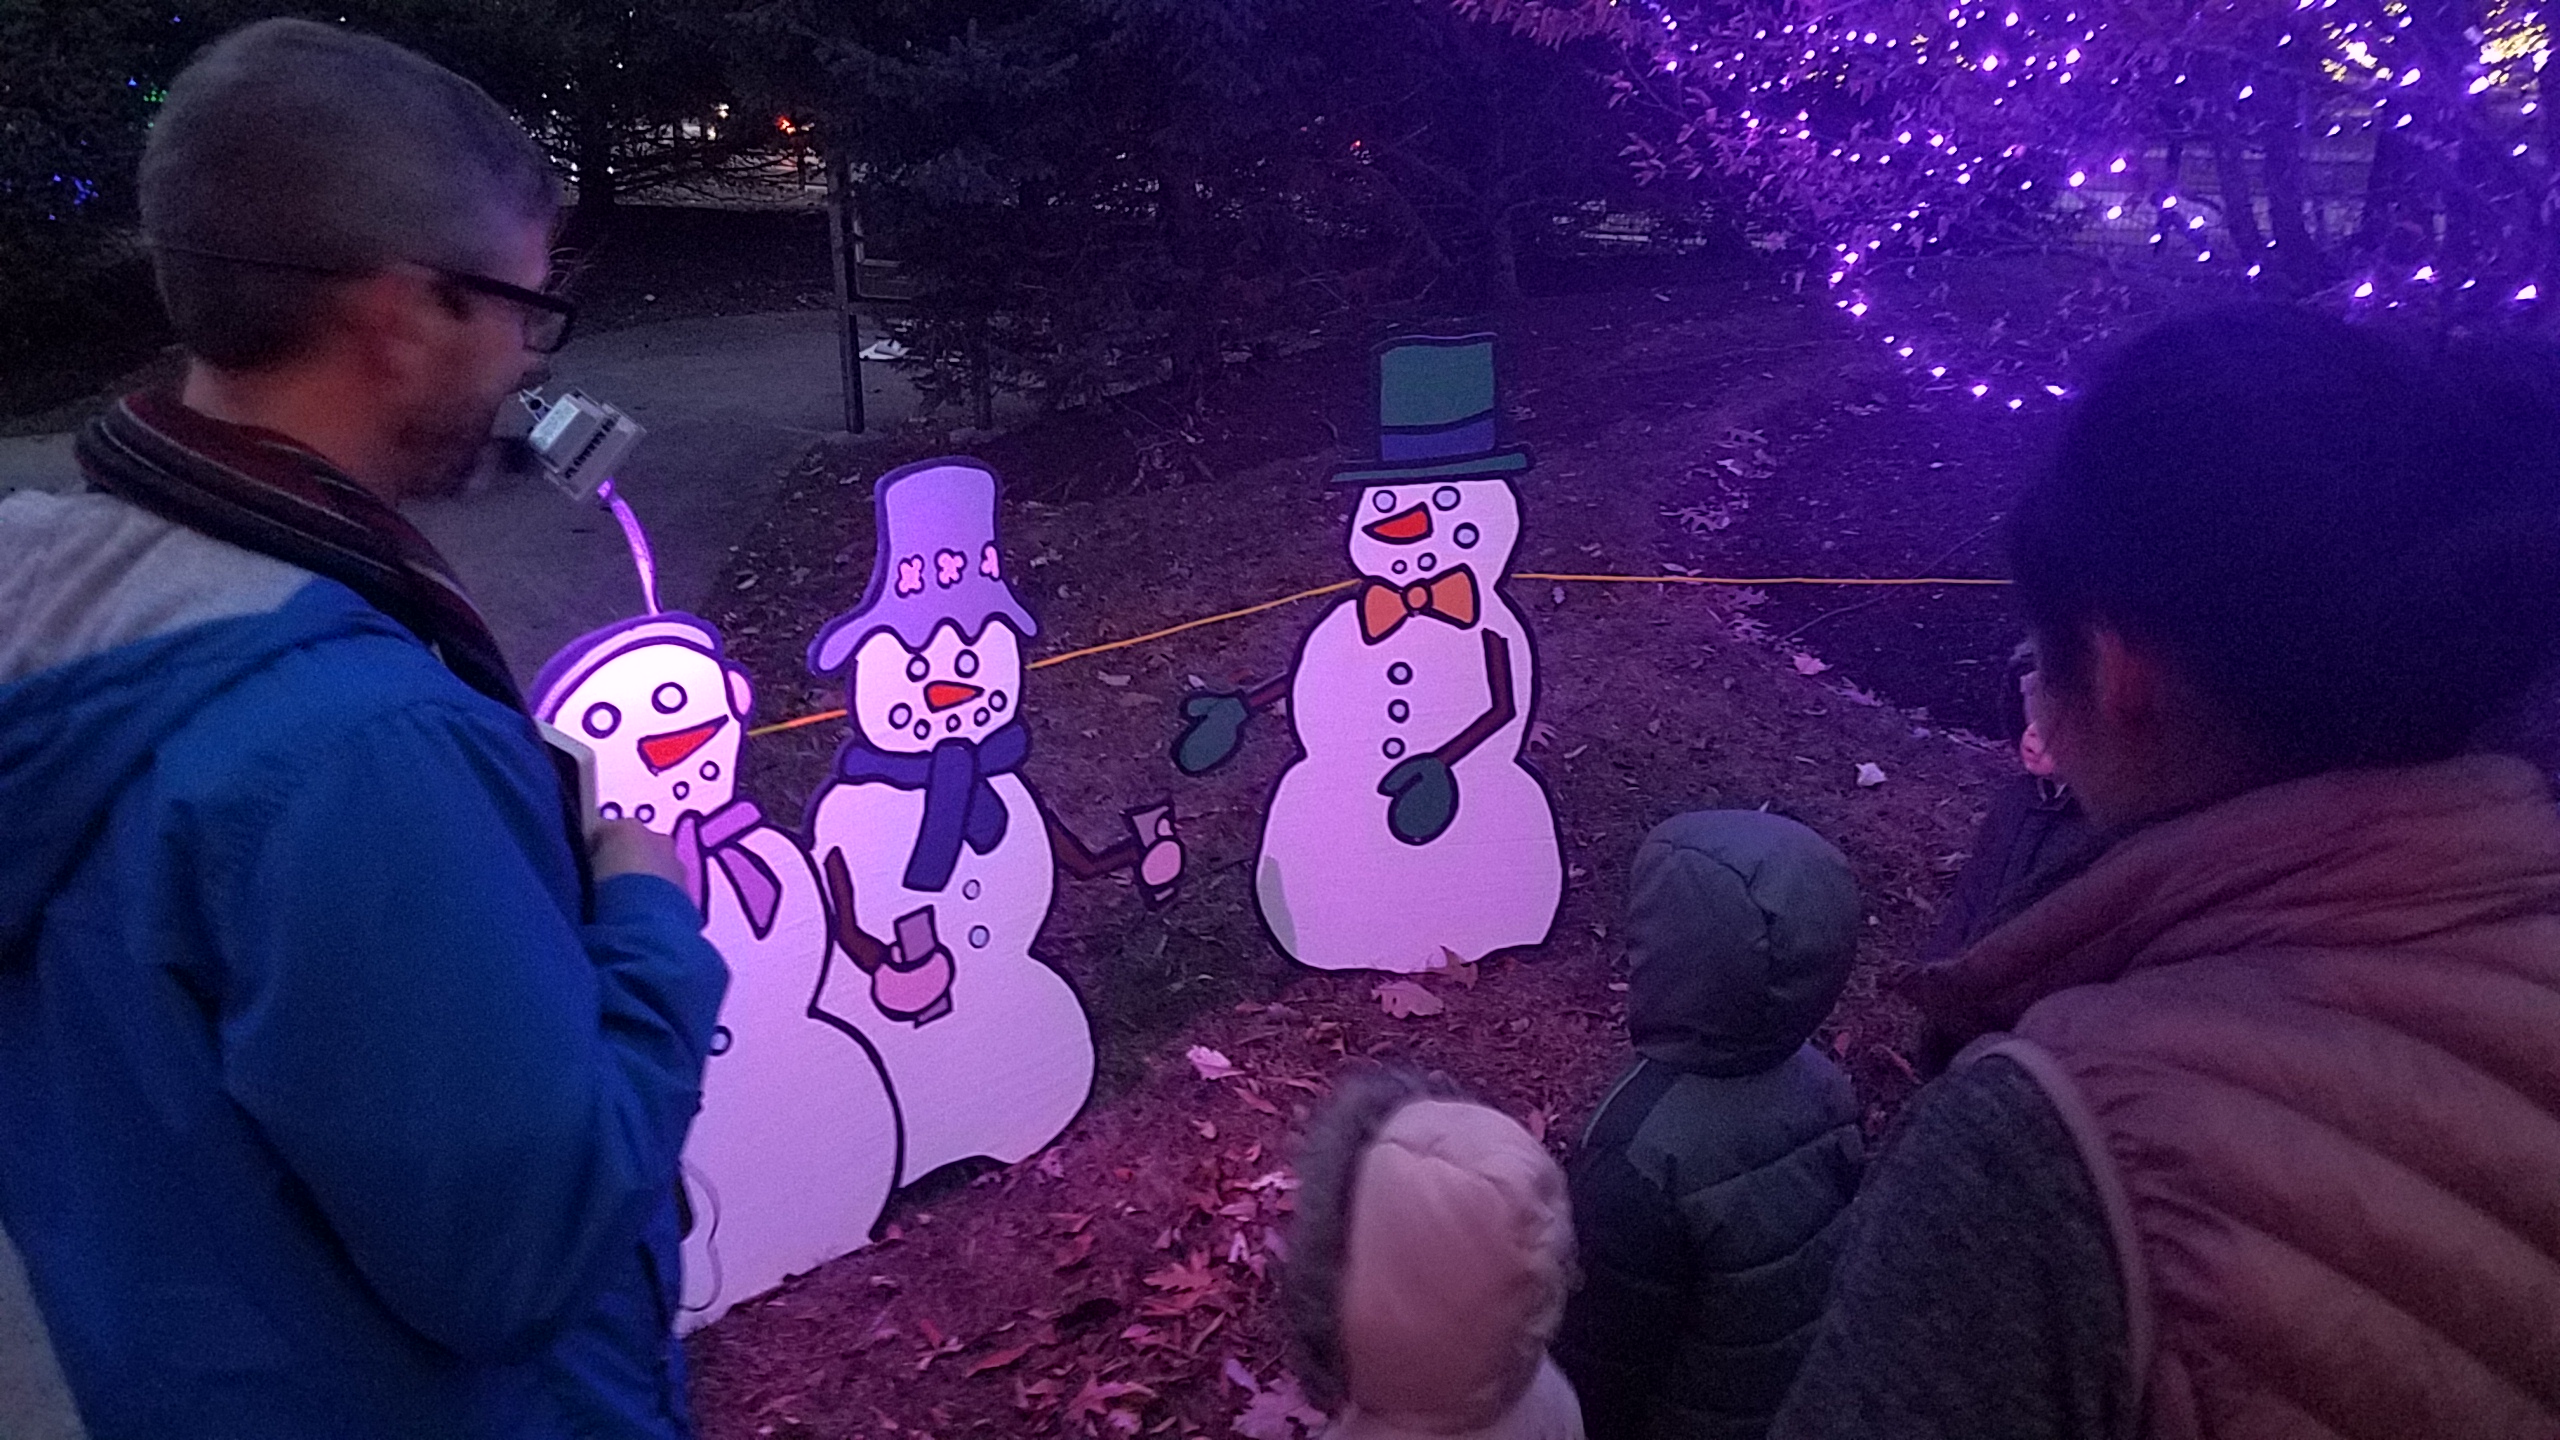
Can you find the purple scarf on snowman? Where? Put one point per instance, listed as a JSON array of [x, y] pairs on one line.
[[959, 804]]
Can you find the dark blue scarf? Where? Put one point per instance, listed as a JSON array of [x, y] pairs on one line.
[[958, 802]]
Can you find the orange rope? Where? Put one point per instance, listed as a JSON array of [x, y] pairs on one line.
[[1338, 586]]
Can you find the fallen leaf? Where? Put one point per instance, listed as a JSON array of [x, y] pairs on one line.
[[1192, 1274], [998, 1360], [1211, 1064], [1402, 999], [1094, 1400], [1462, 971], [1075, 1252], [1208, 1129], [1254, 1101], [1279, 1411], [1807, 665], [1870, 776], [1114, 681]]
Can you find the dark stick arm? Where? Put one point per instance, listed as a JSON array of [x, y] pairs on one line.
[[1269, 693], [1087, 864], [857, 944], [1503, 710]]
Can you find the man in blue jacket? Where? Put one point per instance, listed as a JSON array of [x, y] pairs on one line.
[[341, 1084]]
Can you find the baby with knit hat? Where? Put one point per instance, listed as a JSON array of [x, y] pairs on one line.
[[1428, 1268]]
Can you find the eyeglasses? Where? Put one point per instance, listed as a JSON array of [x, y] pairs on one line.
[[548, 318]]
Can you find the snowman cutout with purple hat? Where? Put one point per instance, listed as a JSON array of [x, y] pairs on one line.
[[939, 861], [1410, 832]]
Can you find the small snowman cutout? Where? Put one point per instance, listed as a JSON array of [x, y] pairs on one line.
[[1410, 831], [795, 1149], [939, 861]]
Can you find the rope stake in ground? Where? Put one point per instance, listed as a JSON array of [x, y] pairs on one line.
[[1150, 637]]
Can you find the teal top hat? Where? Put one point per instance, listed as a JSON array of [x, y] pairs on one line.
[[1436, 411]]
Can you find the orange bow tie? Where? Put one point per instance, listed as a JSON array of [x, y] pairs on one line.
[[1383, 607]]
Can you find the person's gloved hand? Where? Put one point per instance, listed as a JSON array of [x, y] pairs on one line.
[[1216, 729], [1422, 799]]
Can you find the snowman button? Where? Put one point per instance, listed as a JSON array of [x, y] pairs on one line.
[[969, 890], [978, 937], [1399, 673], [1398, 711], [1394, 748], [645, 814]]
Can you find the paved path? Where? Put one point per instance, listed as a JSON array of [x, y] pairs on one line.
[[727, 403]]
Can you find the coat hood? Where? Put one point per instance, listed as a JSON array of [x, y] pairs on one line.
[[1740, 930], [115, 629], [1437, 1247]]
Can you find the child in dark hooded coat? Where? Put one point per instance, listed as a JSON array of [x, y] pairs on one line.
[[1710, 1188]]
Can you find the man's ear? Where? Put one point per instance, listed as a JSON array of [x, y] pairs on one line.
[[742, 694], [390, 323]]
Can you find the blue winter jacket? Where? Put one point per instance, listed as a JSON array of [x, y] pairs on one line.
[[323, 1111]]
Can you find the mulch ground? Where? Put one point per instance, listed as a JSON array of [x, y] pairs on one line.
[[1120, 1282]]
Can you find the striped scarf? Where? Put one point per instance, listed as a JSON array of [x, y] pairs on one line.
[[264, 492]]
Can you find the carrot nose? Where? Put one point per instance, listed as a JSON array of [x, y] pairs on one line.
[[662, 753], [1402, 528], [944, 694]]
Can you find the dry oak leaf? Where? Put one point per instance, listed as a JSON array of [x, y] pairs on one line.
[[1402, 999], [1211, 1064], [1807, 665], [1279, 1411]]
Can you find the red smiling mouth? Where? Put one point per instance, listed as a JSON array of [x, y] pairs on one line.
[[662, 753], [944, 694], [1406, 527]]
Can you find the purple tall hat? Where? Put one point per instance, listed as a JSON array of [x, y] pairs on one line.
[[936, 561]]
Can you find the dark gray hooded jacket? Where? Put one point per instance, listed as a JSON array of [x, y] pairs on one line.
[[1710, 1188]]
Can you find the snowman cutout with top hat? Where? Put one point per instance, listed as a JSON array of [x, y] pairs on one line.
[[1409, 832], [795, 1148], [938, 859]]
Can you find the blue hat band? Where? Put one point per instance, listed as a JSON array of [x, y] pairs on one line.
[[1440, 442]]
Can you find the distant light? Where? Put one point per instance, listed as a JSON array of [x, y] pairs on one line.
[[1905, 352], [2116, 167], [1990, 62], [2426, 275], [2253, 271], [2529, 292], [2171, 203], [1981, 390], [1859, 309], [2365, 290], [1937, 372], [2015, 402], [2079, 178], [2115, 212], [2055, 391], [2248, 90]]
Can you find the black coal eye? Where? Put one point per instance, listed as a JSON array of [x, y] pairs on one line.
[[967, 664], [601, 719], [1446, 497], [917, 669], [1386, 500], [669, 698]]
